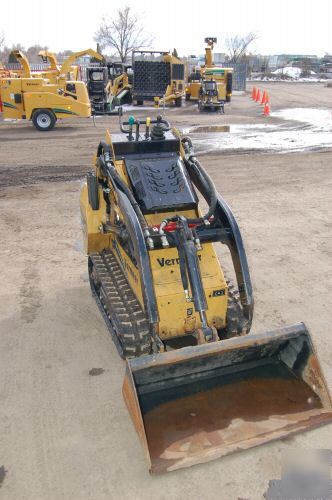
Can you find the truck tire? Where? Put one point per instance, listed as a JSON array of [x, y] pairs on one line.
[[187, 97], [43, 119]]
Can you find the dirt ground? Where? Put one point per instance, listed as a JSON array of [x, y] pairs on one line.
[[66, 434]]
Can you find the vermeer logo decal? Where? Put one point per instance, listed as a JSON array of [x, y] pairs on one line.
[[171, 262]]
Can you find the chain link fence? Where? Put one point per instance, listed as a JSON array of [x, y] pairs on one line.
[[239, 74]]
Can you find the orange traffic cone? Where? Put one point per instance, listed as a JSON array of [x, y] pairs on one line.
[[263, 101], [266, 110], [258, 96], [253, 94]]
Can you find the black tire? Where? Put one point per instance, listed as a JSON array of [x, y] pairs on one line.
[[187, 97], [43, 119], [178, 102], [228, 98], [139, 102]]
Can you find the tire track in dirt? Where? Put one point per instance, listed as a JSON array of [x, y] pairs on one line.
[[31, 174]]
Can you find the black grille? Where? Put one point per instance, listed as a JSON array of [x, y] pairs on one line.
[[177, 71], [151, 79]]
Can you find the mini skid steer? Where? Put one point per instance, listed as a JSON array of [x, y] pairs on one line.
[[197, 386]]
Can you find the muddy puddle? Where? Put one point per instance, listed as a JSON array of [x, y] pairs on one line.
[[298, 129]]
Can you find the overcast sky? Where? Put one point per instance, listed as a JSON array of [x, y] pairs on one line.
[[284, 26]]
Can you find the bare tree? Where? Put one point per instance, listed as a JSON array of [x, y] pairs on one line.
[[32, 53], [237, 45], [2, 40], [124, 33]]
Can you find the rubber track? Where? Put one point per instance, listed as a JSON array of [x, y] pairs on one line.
[[121, 310], [235, 318]]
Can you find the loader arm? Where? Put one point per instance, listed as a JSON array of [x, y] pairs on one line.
[[65, 68], [239, 258], [22, 59]]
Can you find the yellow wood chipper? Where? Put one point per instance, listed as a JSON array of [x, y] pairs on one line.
[[210, 71], [44, 100]]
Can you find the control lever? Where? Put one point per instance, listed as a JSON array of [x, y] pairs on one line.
[[137, 130], [147, 127], [159, 121], [131, 122]]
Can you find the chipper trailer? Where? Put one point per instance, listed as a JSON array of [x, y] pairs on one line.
[[45, 100], [158, 77], [223, 77], [198, 385]]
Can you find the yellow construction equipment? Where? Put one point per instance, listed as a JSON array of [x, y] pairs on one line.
[[6, 73], [208, 98], [118, 88], [160, 79], [45, 100], [68, 70], [175, 89], [222, 76], [197, 385]]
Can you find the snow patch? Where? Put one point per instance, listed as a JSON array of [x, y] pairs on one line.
[[291, 71]]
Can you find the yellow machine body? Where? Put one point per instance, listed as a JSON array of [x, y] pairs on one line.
[[196, 401], [176, 317], [219, 74], [30, 93], [176, 90], [68, 70], [209, 70], [22, 96], [53, 72], [118, 86]]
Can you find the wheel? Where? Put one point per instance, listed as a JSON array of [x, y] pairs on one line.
[[187, 97], [43, 119], [178, 102], [139, 102]]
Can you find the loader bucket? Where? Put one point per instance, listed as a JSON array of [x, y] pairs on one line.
[[197, 404]]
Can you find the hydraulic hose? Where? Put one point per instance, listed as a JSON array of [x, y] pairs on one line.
[[200, 178], [125, 189], [104, 153]]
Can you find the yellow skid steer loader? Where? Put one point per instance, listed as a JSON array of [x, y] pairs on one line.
[[198, 386]]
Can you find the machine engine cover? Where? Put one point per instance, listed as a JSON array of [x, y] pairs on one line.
[[160, 181]]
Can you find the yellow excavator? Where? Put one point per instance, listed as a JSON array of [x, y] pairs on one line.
[[198, 385], [42, 100]]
